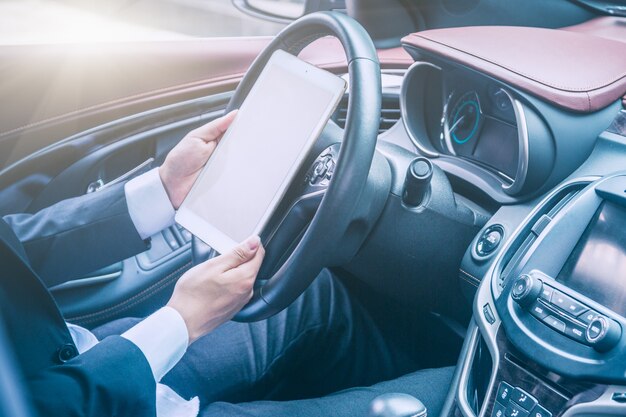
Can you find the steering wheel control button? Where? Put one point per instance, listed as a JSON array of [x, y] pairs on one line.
[[526, 290], [66, 352], [322, 169], [566, 303], [514, 410], [490, 240], [523, 399], [417, 181], [603, 333], [555, 323], [504, 393], [540, 411], [498, 410]]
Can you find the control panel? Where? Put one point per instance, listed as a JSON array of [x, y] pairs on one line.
[[515, 402], [563, 313]]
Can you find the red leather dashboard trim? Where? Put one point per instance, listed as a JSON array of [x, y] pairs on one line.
[[605, 27], [577, 71]]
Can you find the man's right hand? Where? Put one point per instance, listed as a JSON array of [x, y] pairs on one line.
[[211, 293]]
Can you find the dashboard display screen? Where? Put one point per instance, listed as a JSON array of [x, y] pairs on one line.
[[597, 266], [498, 146]]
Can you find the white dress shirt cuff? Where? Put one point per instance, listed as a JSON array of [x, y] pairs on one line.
[[163, 339], [149, 206]]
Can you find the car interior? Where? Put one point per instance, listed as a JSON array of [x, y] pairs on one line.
[[470, 188]]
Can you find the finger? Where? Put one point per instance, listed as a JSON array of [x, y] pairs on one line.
[[249, 269], [240, 254], [214, 129]]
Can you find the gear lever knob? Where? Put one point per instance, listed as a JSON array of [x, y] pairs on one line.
[[397, 405]]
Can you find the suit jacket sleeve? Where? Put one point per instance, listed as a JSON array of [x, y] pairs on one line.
[[111, 379], [78, 235]]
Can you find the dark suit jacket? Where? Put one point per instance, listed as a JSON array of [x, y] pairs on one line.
[[43, 249]]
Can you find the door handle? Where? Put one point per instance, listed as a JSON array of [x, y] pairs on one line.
[[99, 184]]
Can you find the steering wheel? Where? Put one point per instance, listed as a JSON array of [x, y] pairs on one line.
[[316, 225]]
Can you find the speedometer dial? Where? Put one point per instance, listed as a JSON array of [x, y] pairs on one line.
[[462, 123]]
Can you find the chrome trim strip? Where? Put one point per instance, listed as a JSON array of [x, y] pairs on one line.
[[128, 175], [523, 156], [84, 282], [461, 395]]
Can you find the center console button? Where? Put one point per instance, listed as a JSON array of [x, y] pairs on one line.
[[539, 411], [566, 303], [575, 332], [539, 310], [526, 289], [523, 399], [588, 316], [603, 333], [546, 293], [555, 323], [504, 393], [514, 410], [498, 410]]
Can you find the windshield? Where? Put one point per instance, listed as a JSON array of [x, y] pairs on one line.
[[74, 21]]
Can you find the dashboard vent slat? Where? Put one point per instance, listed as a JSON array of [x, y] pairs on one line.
[[390, 112]]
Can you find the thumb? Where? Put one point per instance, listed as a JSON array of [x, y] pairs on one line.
[[241, 253], [214, 129]]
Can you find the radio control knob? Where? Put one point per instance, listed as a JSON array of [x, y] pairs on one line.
[[526, 289], [603, 333]]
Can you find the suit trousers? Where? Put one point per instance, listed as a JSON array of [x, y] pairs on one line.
[[322, 356]]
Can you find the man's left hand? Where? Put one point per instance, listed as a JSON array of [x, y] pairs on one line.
[[185, 161]]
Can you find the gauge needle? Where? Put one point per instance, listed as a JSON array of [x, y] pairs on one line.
[[457, 123]]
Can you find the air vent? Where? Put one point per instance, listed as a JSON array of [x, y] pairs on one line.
[[537, 224], [390, 112]]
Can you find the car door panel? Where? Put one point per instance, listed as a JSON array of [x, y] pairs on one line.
[[57, 90], [100, 114], [138, 285]]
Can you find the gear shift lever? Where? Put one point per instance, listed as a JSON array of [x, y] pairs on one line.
[[397, 405], [417, 181]]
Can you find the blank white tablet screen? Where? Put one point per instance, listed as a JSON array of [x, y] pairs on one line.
[[270, 132]]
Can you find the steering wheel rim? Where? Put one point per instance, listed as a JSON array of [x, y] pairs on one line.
[[332, 220]]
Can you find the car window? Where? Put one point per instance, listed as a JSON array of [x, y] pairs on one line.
[[55, 21]]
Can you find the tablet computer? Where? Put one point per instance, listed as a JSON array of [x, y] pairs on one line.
[[256, 159]]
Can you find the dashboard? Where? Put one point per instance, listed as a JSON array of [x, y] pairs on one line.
[[547, 272]]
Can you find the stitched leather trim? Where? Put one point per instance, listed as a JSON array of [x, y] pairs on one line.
[[469, 277], [131, 302]]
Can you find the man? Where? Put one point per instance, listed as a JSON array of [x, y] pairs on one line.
[[186, 357]]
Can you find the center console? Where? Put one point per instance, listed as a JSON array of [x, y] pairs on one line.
[[550, 313]]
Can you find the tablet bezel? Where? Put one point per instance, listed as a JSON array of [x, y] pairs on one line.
[[210, 233]]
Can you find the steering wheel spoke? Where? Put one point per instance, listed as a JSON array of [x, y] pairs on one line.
[[288, 224]]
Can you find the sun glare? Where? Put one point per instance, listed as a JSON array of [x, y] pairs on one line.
[[41, 21]]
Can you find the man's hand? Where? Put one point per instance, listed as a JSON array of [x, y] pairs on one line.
[[211, 293], [184, 162]]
